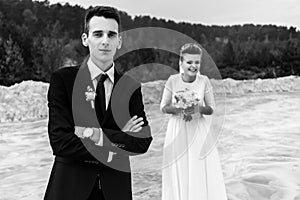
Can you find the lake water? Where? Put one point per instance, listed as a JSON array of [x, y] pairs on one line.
[[259, 150]]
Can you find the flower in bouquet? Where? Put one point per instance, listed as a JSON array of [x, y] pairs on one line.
[[186, 99]]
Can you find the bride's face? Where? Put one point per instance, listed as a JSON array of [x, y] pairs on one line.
[[190, 64]]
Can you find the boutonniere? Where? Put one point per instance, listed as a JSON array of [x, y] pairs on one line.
[[90, 95]]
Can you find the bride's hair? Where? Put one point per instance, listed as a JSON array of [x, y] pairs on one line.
[[190, 48]]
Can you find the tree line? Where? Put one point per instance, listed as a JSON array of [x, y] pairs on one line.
[[37, 38]]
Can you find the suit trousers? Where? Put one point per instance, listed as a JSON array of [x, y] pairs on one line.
[[96, 193]]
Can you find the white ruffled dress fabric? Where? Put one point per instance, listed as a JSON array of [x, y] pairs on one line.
[[185, 174]]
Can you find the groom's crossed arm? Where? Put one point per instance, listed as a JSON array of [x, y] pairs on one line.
[[128, 131], [61, 125], [127, 103]]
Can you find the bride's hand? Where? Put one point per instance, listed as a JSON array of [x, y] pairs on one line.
[[176, 110], [190, 110], [170, 109]]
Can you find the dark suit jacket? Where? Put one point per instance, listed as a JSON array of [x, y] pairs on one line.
[[78, 161]]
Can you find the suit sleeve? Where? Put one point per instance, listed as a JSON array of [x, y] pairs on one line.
[[61, 125], [132, 143]]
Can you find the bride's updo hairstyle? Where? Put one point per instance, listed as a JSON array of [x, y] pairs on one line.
[[190, 48]]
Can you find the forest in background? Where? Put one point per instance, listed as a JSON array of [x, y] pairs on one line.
[[37, 38]]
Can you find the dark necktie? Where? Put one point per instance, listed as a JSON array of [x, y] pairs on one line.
[[100, 104]]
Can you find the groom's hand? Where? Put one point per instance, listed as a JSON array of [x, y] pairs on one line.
[[79, 131], [134, 124]]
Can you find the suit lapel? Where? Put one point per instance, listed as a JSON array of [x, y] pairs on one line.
[[84, 76], [81, 105], [83, 80]]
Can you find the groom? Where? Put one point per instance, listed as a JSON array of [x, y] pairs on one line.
[[96, 119]]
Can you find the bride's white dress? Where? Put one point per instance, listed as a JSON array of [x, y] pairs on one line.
[[185, 174]]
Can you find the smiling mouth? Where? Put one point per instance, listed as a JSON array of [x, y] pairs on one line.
[[192, 69], [104, 50]]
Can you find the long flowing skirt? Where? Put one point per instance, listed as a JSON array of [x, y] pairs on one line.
[[185, 174]]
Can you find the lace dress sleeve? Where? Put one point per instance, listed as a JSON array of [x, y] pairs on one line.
[[167, 94], [209, 94]]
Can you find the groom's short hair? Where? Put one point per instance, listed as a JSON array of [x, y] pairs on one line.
[[101, 11]]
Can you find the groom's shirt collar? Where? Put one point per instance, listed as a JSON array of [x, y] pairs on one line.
[[96, 71]]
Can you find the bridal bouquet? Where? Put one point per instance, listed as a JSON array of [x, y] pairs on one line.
[[185, 99]]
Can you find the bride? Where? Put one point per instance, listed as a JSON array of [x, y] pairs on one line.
[[188, 97]]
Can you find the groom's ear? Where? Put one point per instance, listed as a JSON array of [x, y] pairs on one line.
[[120, 43], [84, 39]]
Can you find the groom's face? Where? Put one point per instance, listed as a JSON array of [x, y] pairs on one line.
[[102, 39]]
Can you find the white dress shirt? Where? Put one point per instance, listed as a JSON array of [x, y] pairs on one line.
[[108, 83], [108, 86]]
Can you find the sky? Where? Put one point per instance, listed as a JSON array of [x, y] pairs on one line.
[[209, 12]]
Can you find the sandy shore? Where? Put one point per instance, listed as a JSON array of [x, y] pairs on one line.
[[258, 147], [27, 100]]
